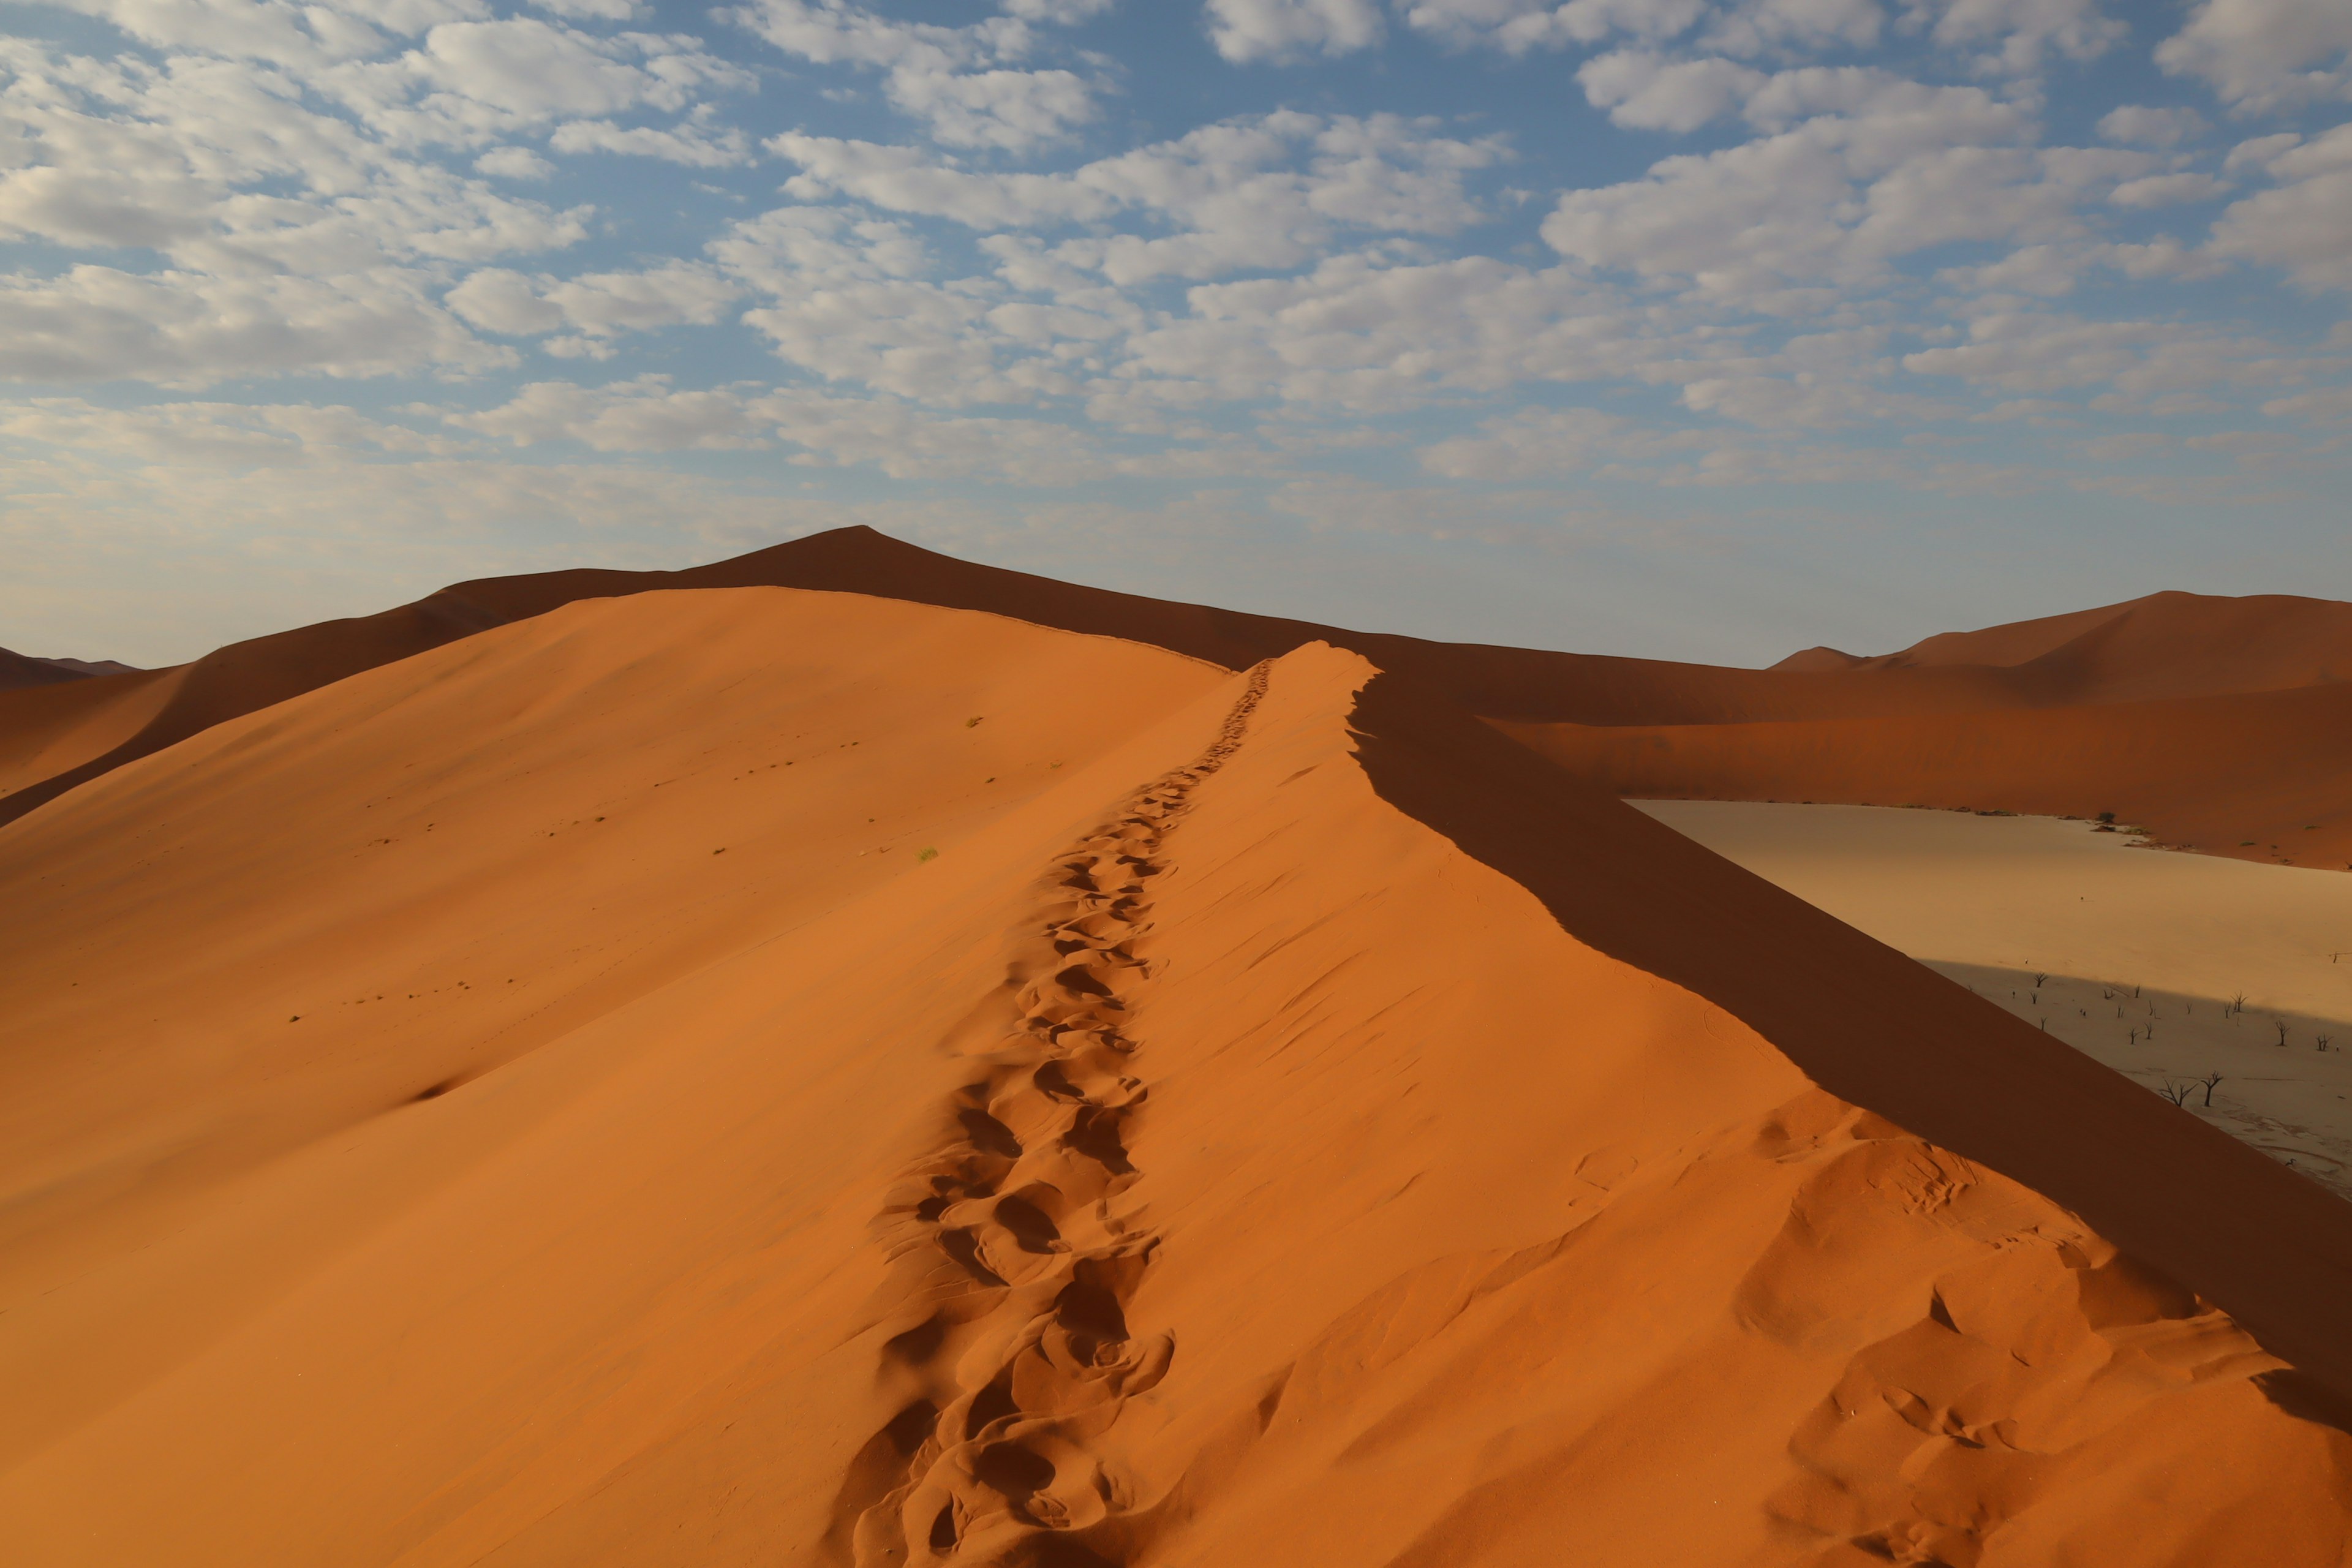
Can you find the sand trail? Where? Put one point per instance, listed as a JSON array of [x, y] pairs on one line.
[[1021, 1359]]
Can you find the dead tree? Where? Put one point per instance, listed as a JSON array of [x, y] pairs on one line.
[[2211, 1081]]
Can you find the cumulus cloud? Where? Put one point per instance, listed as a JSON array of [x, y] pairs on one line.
[[2019, 34], [1516, 26], [2304, 224], [1245, 30], [1761, 26], [1259, 193], [1652, 93], [596, 307], [98, 323], [2168, 190], [2264, 54], [2138, 123], [962, 81], [1870, 169], [694, 146]]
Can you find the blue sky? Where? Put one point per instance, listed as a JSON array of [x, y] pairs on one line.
[[1704, 329]]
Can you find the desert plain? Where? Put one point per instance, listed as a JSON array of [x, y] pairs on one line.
[[850, 1058]]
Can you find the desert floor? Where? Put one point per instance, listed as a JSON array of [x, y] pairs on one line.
[[2166, 967]]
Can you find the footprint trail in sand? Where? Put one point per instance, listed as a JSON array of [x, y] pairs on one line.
[[1012, 1250]]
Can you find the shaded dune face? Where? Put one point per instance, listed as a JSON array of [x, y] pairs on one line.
[[1300, 1126]]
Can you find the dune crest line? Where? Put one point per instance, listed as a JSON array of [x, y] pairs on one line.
[[1004, 1240]]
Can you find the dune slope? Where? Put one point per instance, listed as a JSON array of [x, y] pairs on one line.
[[1283, 1122]]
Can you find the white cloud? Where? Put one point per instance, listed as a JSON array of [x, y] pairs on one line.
[[2032, 350], [1516, 26], [2138, 123], [2022, 32], [1255, 194], [2265, 54], [691, 145], [593, 10], [596, 307], [955, 78], [471, 82], [513, 163], [1760, 27], [1064, 13], [1891, 169], [1650, 92], [2168, 190], [1245, 30], [97, 323], [2305, 226], [1359, 334]]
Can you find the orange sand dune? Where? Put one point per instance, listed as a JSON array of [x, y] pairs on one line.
[[2184, 642], [2204, 773], [51, 729], [1283, 1122], [2167, 645]]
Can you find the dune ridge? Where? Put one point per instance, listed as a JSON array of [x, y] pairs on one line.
[[1516, 1181], [1986, 699]]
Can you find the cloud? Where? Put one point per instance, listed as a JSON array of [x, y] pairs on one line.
[[597, 307], [2028, 350], [2022, 34], [513, 163], [1650, 92], [2264, 54], [1249, 194], [1761, 26], [2168, 190], [593, 10], [183, 329], [957, 80], [2133, 123], [1516, 26], [689, 145], [1871, 169], [1247, 30], [2304, 226]]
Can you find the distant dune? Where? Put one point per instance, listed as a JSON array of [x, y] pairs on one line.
[[17, 670], [785, 1077], [2072, 714]]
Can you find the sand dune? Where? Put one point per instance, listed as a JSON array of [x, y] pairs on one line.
[[766, 1076], [1962, 719], [2165, 645]]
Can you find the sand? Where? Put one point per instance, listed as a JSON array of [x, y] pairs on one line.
[[763, 1075], [2138, 958]]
